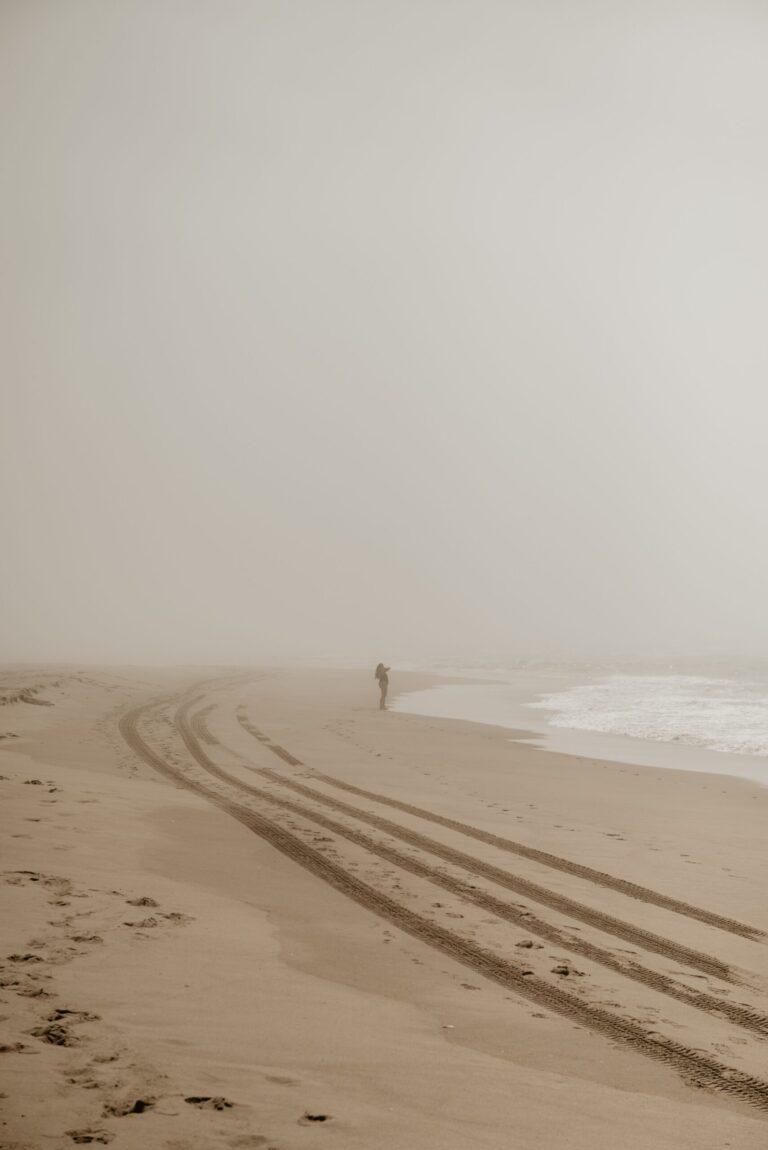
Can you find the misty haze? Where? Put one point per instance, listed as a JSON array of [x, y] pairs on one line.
[[384, 656]]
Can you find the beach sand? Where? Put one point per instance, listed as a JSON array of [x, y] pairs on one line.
[[210, 940]]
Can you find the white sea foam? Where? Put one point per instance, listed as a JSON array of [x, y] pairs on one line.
[[719, 714]]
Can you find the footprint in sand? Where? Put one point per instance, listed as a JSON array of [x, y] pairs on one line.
[[64, 1014], [209, 1102], [55, 1035], [30, 990], [83, 1079], [131, 1106]]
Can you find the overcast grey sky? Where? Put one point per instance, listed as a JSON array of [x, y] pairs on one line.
[[363, 327]]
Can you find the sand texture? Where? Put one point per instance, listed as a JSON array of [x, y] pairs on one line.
[[248, 909]]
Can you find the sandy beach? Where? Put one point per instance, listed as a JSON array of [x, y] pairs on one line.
[[247, 909], [352, 348]]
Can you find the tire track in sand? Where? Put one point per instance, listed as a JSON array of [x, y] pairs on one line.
[[626, 931], [740, 1015], [697, 1068], [568, 866]]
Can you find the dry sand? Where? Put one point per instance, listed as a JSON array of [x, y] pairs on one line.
[[196, 906]]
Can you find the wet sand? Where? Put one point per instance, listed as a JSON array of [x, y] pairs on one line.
[[250, 910], [507, 704]]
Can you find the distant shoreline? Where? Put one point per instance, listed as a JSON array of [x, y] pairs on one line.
[[506, 705]]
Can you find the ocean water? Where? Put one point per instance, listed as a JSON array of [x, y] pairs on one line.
[[728, 715], [703, 722]]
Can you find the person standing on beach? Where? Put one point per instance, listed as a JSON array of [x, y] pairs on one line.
[[383, 677]]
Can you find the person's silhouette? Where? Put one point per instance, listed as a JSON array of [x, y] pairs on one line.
[[383, 677]]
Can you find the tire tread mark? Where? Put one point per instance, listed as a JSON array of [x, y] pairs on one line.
[[568, 866], [697, 1068], [647, 940], [741, 1015]]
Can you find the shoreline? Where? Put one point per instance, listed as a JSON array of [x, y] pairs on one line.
[[248, 979], [505, 706]]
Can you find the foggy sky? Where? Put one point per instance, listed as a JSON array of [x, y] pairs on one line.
[[366, 327]]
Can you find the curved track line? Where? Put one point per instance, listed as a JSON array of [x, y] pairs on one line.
[[522, 886], [743, 1016], [697, 1068], [645, 939], [601, 878]]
